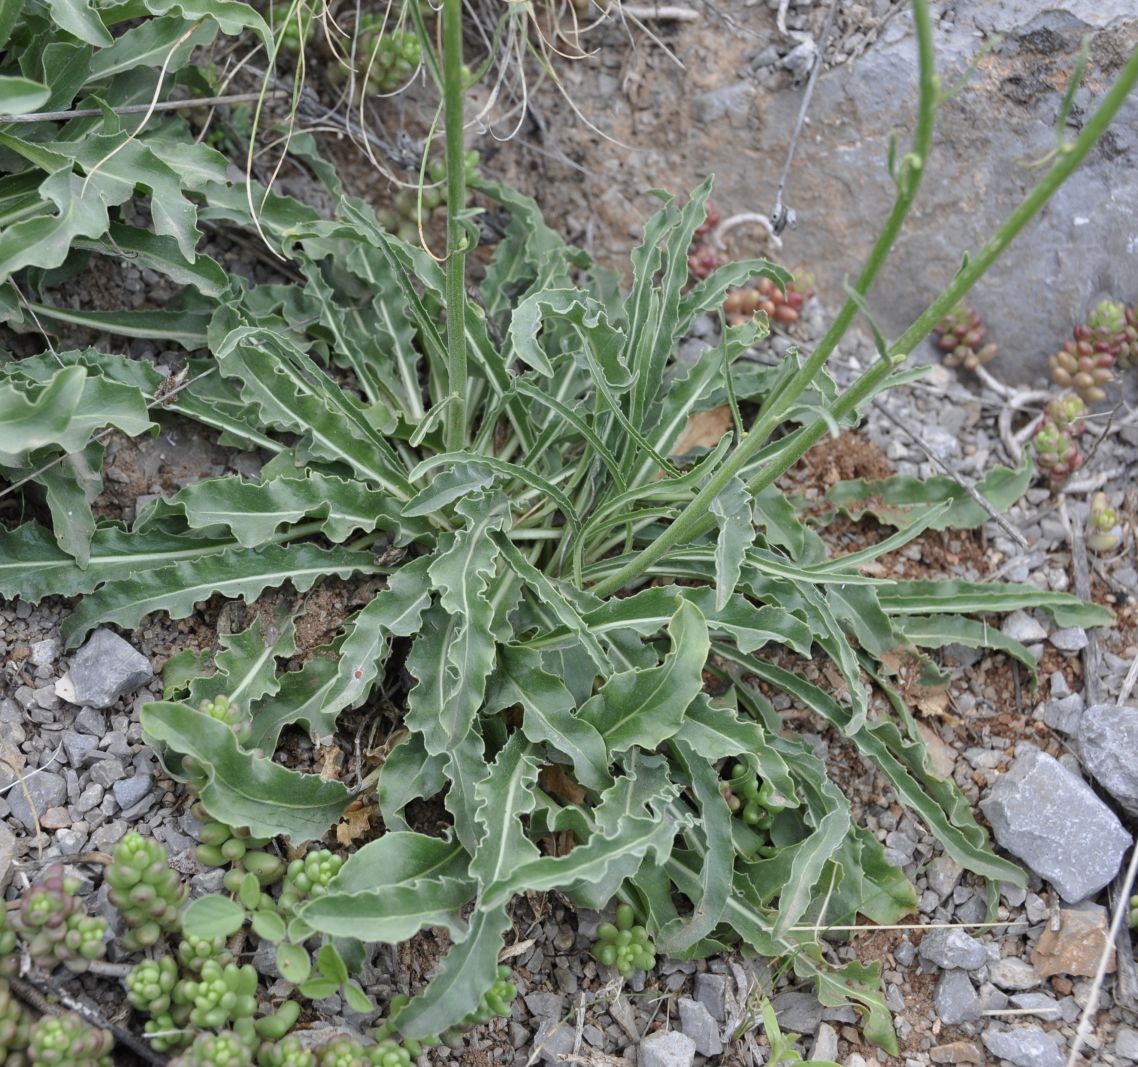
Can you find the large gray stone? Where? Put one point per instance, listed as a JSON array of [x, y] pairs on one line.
[[800, 1012], [103, 670], [1108, 738], [711, 992], [1053, 821], [1027, 1046], [666, 1048], [956, 1000], [44, 789], [1079, 249], [953, 949], [697, 1023]]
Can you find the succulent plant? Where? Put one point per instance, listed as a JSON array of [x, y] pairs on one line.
[[960, 335], [308, 877], [167, 1032], [222, 844], [1067, 413], [287, 1052], [342, 1052], [226, 1049], [195, 952], [274, 1026], [1104, 533], [8, 944], [55, 926], [1134, 911], [389, 1053], [224, 710], [402, 216], [497, 1000], [1109, 336], [13, 1026], [147, 892], [220, 995], [755, 802], [1056, 451], [293, 27], [741, 304], [150, 985], [68, 1041], [624, 945]]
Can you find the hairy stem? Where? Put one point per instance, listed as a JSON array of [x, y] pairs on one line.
[[453, 94], [695, 516]]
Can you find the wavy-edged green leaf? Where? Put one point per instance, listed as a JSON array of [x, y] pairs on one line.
[[19, 96], [63, 412], [245, 666], [399, 856], [155, 42], [645, 707], [936, 631], [80, 20], [330, 684], [162, 254], [71, 486], [900, 499], [732, 509], [295, 394], [409, 773], [467, 971], [503, 799], [969, 598], [32, 565], [177, 588], [255, 511], [239, 788], [713, 829], [454, 660], [395, 913], [549, 713]]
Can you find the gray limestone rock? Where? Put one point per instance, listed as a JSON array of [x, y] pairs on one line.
[[665, 1048], [1027, 1046], [7, 855], [1053, 821], [1013, 973], [1071, 639], [1063, 714], [44, 789], [1108, 739], [711, 992], [825, 1043], [956, 1000], [953, 949], [696, 1022], [1023, 628], [1126, 1043], [942, 874], [103, 670], [800, 1012]]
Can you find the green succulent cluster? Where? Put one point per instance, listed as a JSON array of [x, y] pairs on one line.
[[68, 1041], [150, 985], [219, 995], [228, 712], [1134, 911], [221, 845], [146, 890], [1104, 532], [390, 59], [401, 218], [293, 28], [287, 1052], [8, 943], [225, 1049], [960, 335], [755, 802], [624, 945], [13, 1026], [342, 1052], [195, 952], [1056, 451], [1085, 363], [56, 927], [308, 877], [497, 1000]]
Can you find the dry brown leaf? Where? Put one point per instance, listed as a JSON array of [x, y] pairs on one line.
[[554, 780], [705, 429], [354, 823], [330, 760]]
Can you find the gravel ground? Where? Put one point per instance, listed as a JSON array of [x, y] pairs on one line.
[[71, 747]]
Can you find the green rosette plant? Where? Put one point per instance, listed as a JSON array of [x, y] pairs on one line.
[[13, 1027], [55, 925], [286, 1052], [67, 1040], [194, 952], [624, 944], [547, 579], [150, 985], [226, 1049], [219, 995]]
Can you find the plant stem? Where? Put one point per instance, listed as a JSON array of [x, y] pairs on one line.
[[696, 514], [453, 94], [869, 382]]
